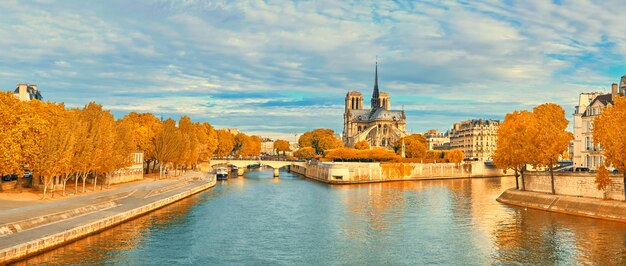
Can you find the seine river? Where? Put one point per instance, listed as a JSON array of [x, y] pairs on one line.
[[259, 220]]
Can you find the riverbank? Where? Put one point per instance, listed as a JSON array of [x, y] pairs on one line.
[[361, 173], [36, 228], [588, 207]]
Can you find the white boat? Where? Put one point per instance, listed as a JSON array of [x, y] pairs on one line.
[[221, 173]]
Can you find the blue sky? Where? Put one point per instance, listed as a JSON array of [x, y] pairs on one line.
[[278, 68]]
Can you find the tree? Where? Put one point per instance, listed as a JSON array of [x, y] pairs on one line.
[[608, 133], [305, 153], [343, 154], [380, 154], [455, 156], [320, 139], [414, 146], [208, 139], [515, 146], [145, 127], [362, 145], [226, 143], [603, 179], [553, 140], [167, 144], [281, 146]]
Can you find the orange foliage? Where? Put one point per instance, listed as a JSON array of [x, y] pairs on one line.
[[362, 145], [415, 146], [305, 153], [608, 132], [321, 140]]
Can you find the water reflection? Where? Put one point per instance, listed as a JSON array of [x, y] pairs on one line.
[[258, 219]]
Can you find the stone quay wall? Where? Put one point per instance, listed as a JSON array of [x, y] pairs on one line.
[[573, 184], [350, 173]]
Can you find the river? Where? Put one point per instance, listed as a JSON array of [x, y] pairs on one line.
[[260, 220]]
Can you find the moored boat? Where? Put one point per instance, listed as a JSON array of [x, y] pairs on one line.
[[221, 173]]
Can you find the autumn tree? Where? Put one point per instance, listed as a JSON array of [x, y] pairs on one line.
[[455, 156], [362, 145], [415, 146], [305, 153], [167, 144], [123, 148], [552, 140], [226, 143], [320, 139], [608, 133], [343, 154], [515, 139], [20, 133], [281, 146], [145, 127], [208, 140], [603, 179], [380, 154]]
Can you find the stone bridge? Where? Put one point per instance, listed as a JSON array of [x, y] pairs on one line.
[[242, 164]]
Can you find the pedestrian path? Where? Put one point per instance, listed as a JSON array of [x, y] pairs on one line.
[[44, 224]]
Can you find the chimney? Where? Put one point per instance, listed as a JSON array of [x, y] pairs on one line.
[[622, 85], [614, 91]]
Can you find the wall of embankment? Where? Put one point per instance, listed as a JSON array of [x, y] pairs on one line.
[[358, 172], [587, 207], [573, 184], [576, 193], [54, 240]]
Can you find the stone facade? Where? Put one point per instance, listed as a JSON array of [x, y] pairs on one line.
[[131, 173], [476, 138], [27, 92], [437, 140], [573, 184], [379, 125], [590, 105]]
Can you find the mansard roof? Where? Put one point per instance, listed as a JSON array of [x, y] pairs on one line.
[[604, 99]]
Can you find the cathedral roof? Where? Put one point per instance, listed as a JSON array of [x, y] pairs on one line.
[[383, 114], [365, 115]]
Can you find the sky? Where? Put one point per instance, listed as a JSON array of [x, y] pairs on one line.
[[276, 68]]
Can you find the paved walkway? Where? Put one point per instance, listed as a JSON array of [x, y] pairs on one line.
[[122, 199]]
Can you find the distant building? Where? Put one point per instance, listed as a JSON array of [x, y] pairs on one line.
[[233, 131], [27, 92], [130, 173], [379, 125], [590, 104], [437, 140], [267, 146], [476, 138]]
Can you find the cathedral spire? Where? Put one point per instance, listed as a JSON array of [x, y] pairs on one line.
[[376, 94]]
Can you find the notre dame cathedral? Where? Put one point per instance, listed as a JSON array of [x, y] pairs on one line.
[[379, 126]]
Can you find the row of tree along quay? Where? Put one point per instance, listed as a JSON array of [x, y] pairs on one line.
[[323, 145], [59, 144], [539, 138]]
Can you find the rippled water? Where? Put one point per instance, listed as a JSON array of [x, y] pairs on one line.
[[257, 219]]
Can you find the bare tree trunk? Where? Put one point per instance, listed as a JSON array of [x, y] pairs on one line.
[[552, 178], [624, 180], [45, 188], [516, 179], [84, 180], [76, 183], [95, 181], [523, 181], [67, 176], [54, 183]]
